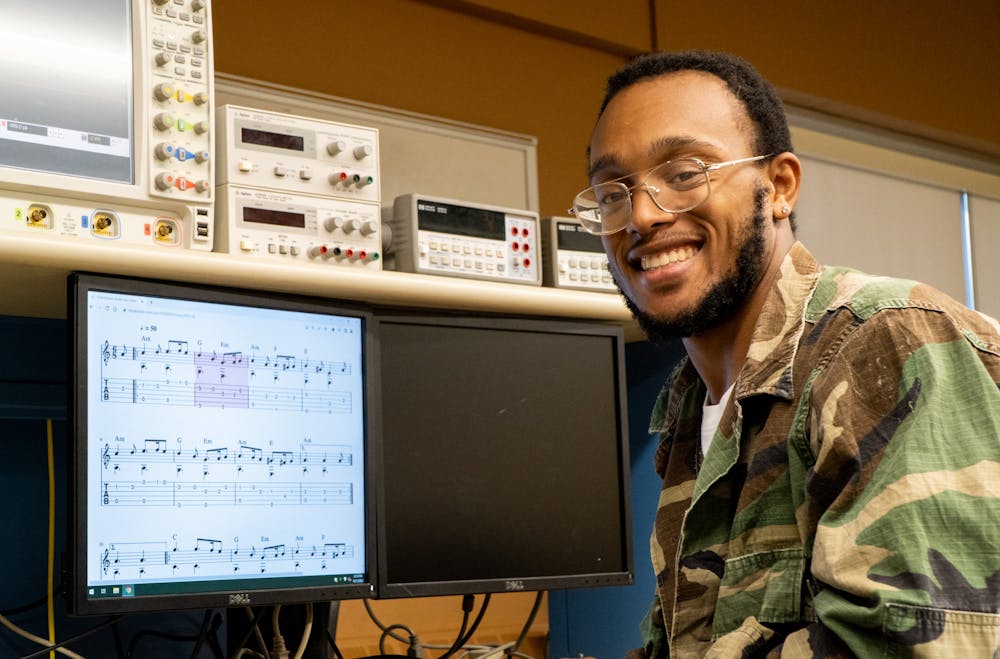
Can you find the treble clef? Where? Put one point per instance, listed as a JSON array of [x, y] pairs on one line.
[[105, 562], [106, 456], [106, 352]]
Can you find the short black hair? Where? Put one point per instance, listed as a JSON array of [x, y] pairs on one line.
[[757, 95]]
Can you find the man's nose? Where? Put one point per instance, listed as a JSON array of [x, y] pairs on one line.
[[646, 211]]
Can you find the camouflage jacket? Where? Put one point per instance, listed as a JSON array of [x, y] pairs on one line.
[[849, 504]]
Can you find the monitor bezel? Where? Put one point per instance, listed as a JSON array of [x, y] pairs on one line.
[[515, 583], [79, 284]]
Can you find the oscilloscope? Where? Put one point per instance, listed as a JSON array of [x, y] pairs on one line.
[[106, 122]]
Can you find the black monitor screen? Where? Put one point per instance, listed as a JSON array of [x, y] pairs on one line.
[[220, 448], [503, 456]]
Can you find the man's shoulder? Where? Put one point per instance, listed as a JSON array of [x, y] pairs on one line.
[[865, 295], [841, 287]]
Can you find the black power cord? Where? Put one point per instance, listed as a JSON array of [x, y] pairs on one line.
[[511, 651], [461, 641], [73, 639], [468, 601]]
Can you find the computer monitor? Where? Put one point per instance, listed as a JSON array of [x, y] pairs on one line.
[[220, 452], [503, 463]]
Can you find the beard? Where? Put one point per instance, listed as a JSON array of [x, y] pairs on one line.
[[725, 298]]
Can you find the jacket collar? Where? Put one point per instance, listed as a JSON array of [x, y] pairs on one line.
[[768, 366]]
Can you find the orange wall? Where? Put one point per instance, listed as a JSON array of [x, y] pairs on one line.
[[539, 67]]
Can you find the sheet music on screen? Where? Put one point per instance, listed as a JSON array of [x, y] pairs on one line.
[[225, 444]]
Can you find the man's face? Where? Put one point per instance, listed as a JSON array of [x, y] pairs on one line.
[[684, 273]]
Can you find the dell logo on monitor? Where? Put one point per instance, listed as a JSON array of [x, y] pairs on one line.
[[239, 599], [513, 585]]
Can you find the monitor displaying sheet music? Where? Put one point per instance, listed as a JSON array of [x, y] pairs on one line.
[[220, 451]]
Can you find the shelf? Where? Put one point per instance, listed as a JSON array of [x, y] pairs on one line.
[[34, 271]]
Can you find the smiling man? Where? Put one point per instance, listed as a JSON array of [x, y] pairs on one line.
[[830, 448]]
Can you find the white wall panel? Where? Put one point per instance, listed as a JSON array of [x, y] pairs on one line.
[[882, 224], [985, 230]]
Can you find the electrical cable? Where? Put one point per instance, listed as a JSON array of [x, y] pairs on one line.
[[50, 451], [305, 632], [209, 634], [50, 645], [41, 601], [250, 630], [387, 631], [468, 601], [202, 633], [527, 624], [475, 623], [60, 646], [239, 653], [378, 623], [333, 645], [468, 634], [278, 649], [255, 629], [37, 639], [116, 632]]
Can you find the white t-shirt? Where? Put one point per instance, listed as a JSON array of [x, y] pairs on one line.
[[711, 415]]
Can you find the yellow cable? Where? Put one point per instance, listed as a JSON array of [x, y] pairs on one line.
[[52, 533]]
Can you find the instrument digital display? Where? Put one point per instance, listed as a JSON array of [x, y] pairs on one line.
[[268, 138], [276, 217]]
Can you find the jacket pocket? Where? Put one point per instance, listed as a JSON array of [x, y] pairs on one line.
[[765, 585], [923, 631]]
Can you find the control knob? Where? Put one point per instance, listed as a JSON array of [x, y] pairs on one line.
[[164, 181], [364, 227], [163, 151], [163, 121], [163, 91]]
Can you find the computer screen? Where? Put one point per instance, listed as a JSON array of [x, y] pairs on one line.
[[503, 463], [67, 104], [220, 447]]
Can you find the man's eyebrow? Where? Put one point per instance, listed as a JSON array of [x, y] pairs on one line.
[[659, 147], [607, 161], [666, 145]]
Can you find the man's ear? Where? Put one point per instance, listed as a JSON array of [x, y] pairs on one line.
[[785, 174]]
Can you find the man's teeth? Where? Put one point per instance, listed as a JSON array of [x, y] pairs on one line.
[[666, 258]]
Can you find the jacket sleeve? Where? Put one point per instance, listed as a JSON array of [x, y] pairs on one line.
[[900, 438], [904, 430], [654, 636]]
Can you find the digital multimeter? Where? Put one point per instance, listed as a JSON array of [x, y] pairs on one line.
[[436, 236]]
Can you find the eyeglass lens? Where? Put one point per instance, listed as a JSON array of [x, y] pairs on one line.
[[674, 186]]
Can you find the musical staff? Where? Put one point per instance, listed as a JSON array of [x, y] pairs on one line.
[[152, 560], [181, 494], [191, 394], [177, 353], [155, 452]]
